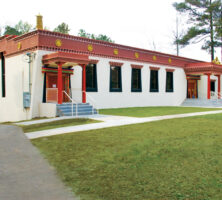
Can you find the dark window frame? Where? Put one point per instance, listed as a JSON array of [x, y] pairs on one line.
[[3, 74], [154, 89], [95, 89], [172, 82], [140, 81], [119, 80]]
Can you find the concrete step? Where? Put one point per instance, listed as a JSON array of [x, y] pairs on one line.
[[82, 109], [203, 102]]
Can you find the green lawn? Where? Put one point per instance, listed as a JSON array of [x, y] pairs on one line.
[[56, 124], [152, 111], [173, 159]]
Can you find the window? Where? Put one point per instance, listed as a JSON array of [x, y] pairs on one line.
[[115, 79], [136, 80], [212, 86], [169, 81], [3, 73], [91, 78], [154, 86]]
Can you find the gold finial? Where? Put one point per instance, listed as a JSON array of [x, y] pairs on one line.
[[216, 61], [39, 23]]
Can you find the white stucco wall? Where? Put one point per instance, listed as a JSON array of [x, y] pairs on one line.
[[47, 110], [17, 82], [16, 71], [106, 99]]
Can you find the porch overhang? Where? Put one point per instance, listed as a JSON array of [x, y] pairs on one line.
[[66, 59], [203, 68]]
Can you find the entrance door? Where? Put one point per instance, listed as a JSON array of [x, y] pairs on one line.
[[52, 87], [192, 89]]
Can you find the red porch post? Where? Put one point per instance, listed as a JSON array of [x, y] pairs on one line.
[[208, 86], [218, 87], [59, 83], [83, 83]]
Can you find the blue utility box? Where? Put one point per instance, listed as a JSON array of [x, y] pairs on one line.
[[26, 99]]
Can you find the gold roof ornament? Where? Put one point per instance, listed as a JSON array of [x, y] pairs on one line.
[[39, 23], [170, 60], [58, 43], [136, 55], [216, 61], [90, 47], [154, 58], [115, 51], [19, 46]]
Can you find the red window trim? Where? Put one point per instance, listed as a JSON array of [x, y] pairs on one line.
[[154, 68], [93, 61], [170, 70], [116, 64], [137, 66]]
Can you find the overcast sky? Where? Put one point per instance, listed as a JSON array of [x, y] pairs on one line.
[[138, 23]]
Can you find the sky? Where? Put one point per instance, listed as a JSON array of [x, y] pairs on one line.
[[139, 23]]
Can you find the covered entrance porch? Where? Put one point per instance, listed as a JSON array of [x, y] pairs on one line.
[[58, 69], [203, 80]]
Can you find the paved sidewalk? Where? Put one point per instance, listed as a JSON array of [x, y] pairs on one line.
[[24, 174], [111, 121]]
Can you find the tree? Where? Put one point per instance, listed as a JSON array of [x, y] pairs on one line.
[[62, 28], [18, 29], [82, 33], [205, 19]]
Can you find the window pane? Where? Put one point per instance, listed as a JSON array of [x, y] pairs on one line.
[[115, 82], [91, 78], [154, 81], [115, 77], [169, 82], [136, 79]]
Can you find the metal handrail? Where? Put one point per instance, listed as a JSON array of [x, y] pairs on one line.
[[73, 101], [94, 102], [218, 96]]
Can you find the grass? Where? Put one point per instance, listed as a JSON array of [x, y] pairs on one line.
[[56, 124], [152, 111], [177, 159]]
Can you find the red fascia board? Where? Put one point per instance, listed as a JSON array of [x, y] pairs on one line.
[[46, 40], [114, 45]]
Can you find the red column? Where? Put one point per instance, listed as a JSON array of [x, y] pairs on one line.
[[218, 87], [59, 83], [208, 86], [83, 83]]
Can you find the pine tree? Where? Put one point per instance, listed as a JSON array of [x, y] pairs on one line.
[[204, 17]]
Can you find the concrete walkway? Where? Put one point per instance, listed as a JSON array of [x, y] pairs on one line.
[[24, 174], [111, 121]]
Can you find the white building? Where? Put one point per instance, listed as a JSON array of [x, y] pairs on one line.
[[41, 69]]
